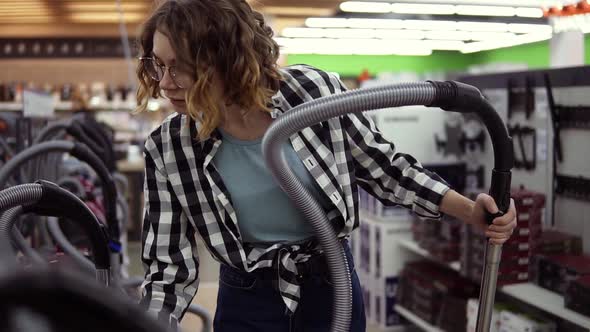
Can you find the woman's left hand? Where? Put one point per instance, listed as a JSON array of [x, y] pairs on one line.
[[502, 227]]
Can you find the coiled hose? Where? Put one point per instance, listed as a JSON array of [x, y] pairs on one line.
[[81, 152], [9, 218], [306, 115], [49, 199], [450, 96]]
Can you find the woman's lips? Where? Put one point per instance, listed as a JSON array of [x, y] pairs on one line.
[[177, 102]]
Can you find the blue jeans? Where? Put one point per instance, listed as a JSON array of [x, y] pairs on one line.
[[249, 303]]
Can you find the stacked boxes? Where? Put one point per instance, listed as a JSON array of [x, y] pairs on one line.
[[436, 295], [379, 259], [517, 252], [387, 261], [440, 238], [555, 272], [507, 318], [552, 242], [511, 321]]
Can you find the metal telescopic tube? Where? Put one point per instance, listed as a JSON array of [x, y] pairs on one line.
[[487, 292]]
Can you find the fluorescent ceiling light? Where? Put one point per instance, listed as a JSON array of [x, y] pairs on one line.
[[448, 35], [430, 25], [365, 7], [482, 26], [445, 45], [340, 33], [514, 3], [494, 44], [23, 11], [296, 11], [529, 12], [352, 46], [374, 23], [399, 34], [411, 8], [482, 35], [26, 19], [326, 22], [303, 32], [349, 33], [435, 25], [527, 28], [485, 10], [105, 17], [477, 8], [105, 6]]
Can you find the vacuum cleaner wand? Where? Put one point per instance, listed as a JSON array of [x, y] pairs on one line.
[[450, 96], [459, 97]]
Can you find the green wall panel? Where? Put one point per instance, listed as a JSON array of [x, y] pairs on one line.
[[535, 55], [352, 65]]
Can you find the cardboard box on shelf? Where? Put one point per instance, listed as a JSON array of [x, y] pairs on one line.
[[554, 272], [519, 322], [386, 259]]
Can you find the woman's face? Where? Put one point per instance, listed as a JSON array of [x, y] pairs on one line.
[[175, 80]]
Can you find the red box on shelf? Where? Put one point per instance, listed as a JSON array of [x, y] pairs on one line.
[[526, 199], [551, 242]]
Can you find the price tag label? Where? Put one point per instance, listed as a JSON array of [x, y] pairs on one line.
[[37, 104]]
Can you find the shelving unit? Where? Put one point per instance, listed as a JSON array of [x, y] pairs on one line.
[[63, 107], [545, 300], [425, 326], [412, 246], [527, 292]]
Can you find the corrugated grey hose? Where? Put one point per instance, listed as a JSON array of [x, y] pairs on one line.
[[9, 217], [12, 197], [306, 115], [83, 153]]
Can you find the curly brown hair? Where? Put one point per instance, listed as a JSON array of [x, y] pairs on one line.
[[226, 37]]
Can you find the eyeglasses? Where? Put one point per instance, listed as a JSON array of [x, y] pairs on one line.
[[156, 72]]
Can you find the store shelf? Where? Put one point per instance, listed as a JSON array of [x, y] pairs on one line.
[[415, 248], [11, 107], [546, 300], [527, 292], [425, 326], [64, 106]]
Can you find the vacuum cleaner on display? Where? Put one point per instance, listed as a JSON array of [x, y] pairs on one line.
[[450, 96]]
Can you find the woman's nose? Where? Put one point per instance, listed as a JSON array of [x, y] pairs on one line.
[[166, 83]]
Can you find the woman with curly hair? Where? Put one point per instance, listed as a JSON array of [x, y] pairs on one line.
[[215, 60]]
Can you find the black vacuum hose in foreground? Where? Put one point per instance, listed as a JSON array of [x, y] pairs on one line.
[[450, 96], [48, 199], [62, 301]]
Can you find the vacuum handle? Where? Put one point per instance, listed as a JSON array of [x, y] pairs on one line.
[[500, 192]]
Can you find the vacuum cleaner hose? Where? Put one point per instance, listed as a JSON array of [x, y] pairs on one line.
[[450, 96], [306, 115]]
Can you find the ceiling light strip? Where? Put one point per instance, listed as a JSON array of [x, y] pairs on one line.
[[440, 9]]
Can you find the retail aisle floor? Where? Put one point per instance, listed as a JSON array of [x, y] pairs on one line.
[[207, 294]]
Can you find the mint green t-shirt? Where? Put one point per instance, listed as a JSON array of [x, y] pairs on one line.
[[265, 214]]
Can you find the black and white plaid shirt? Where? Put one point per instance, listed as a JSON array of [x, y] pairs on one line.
[[185, 195]]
